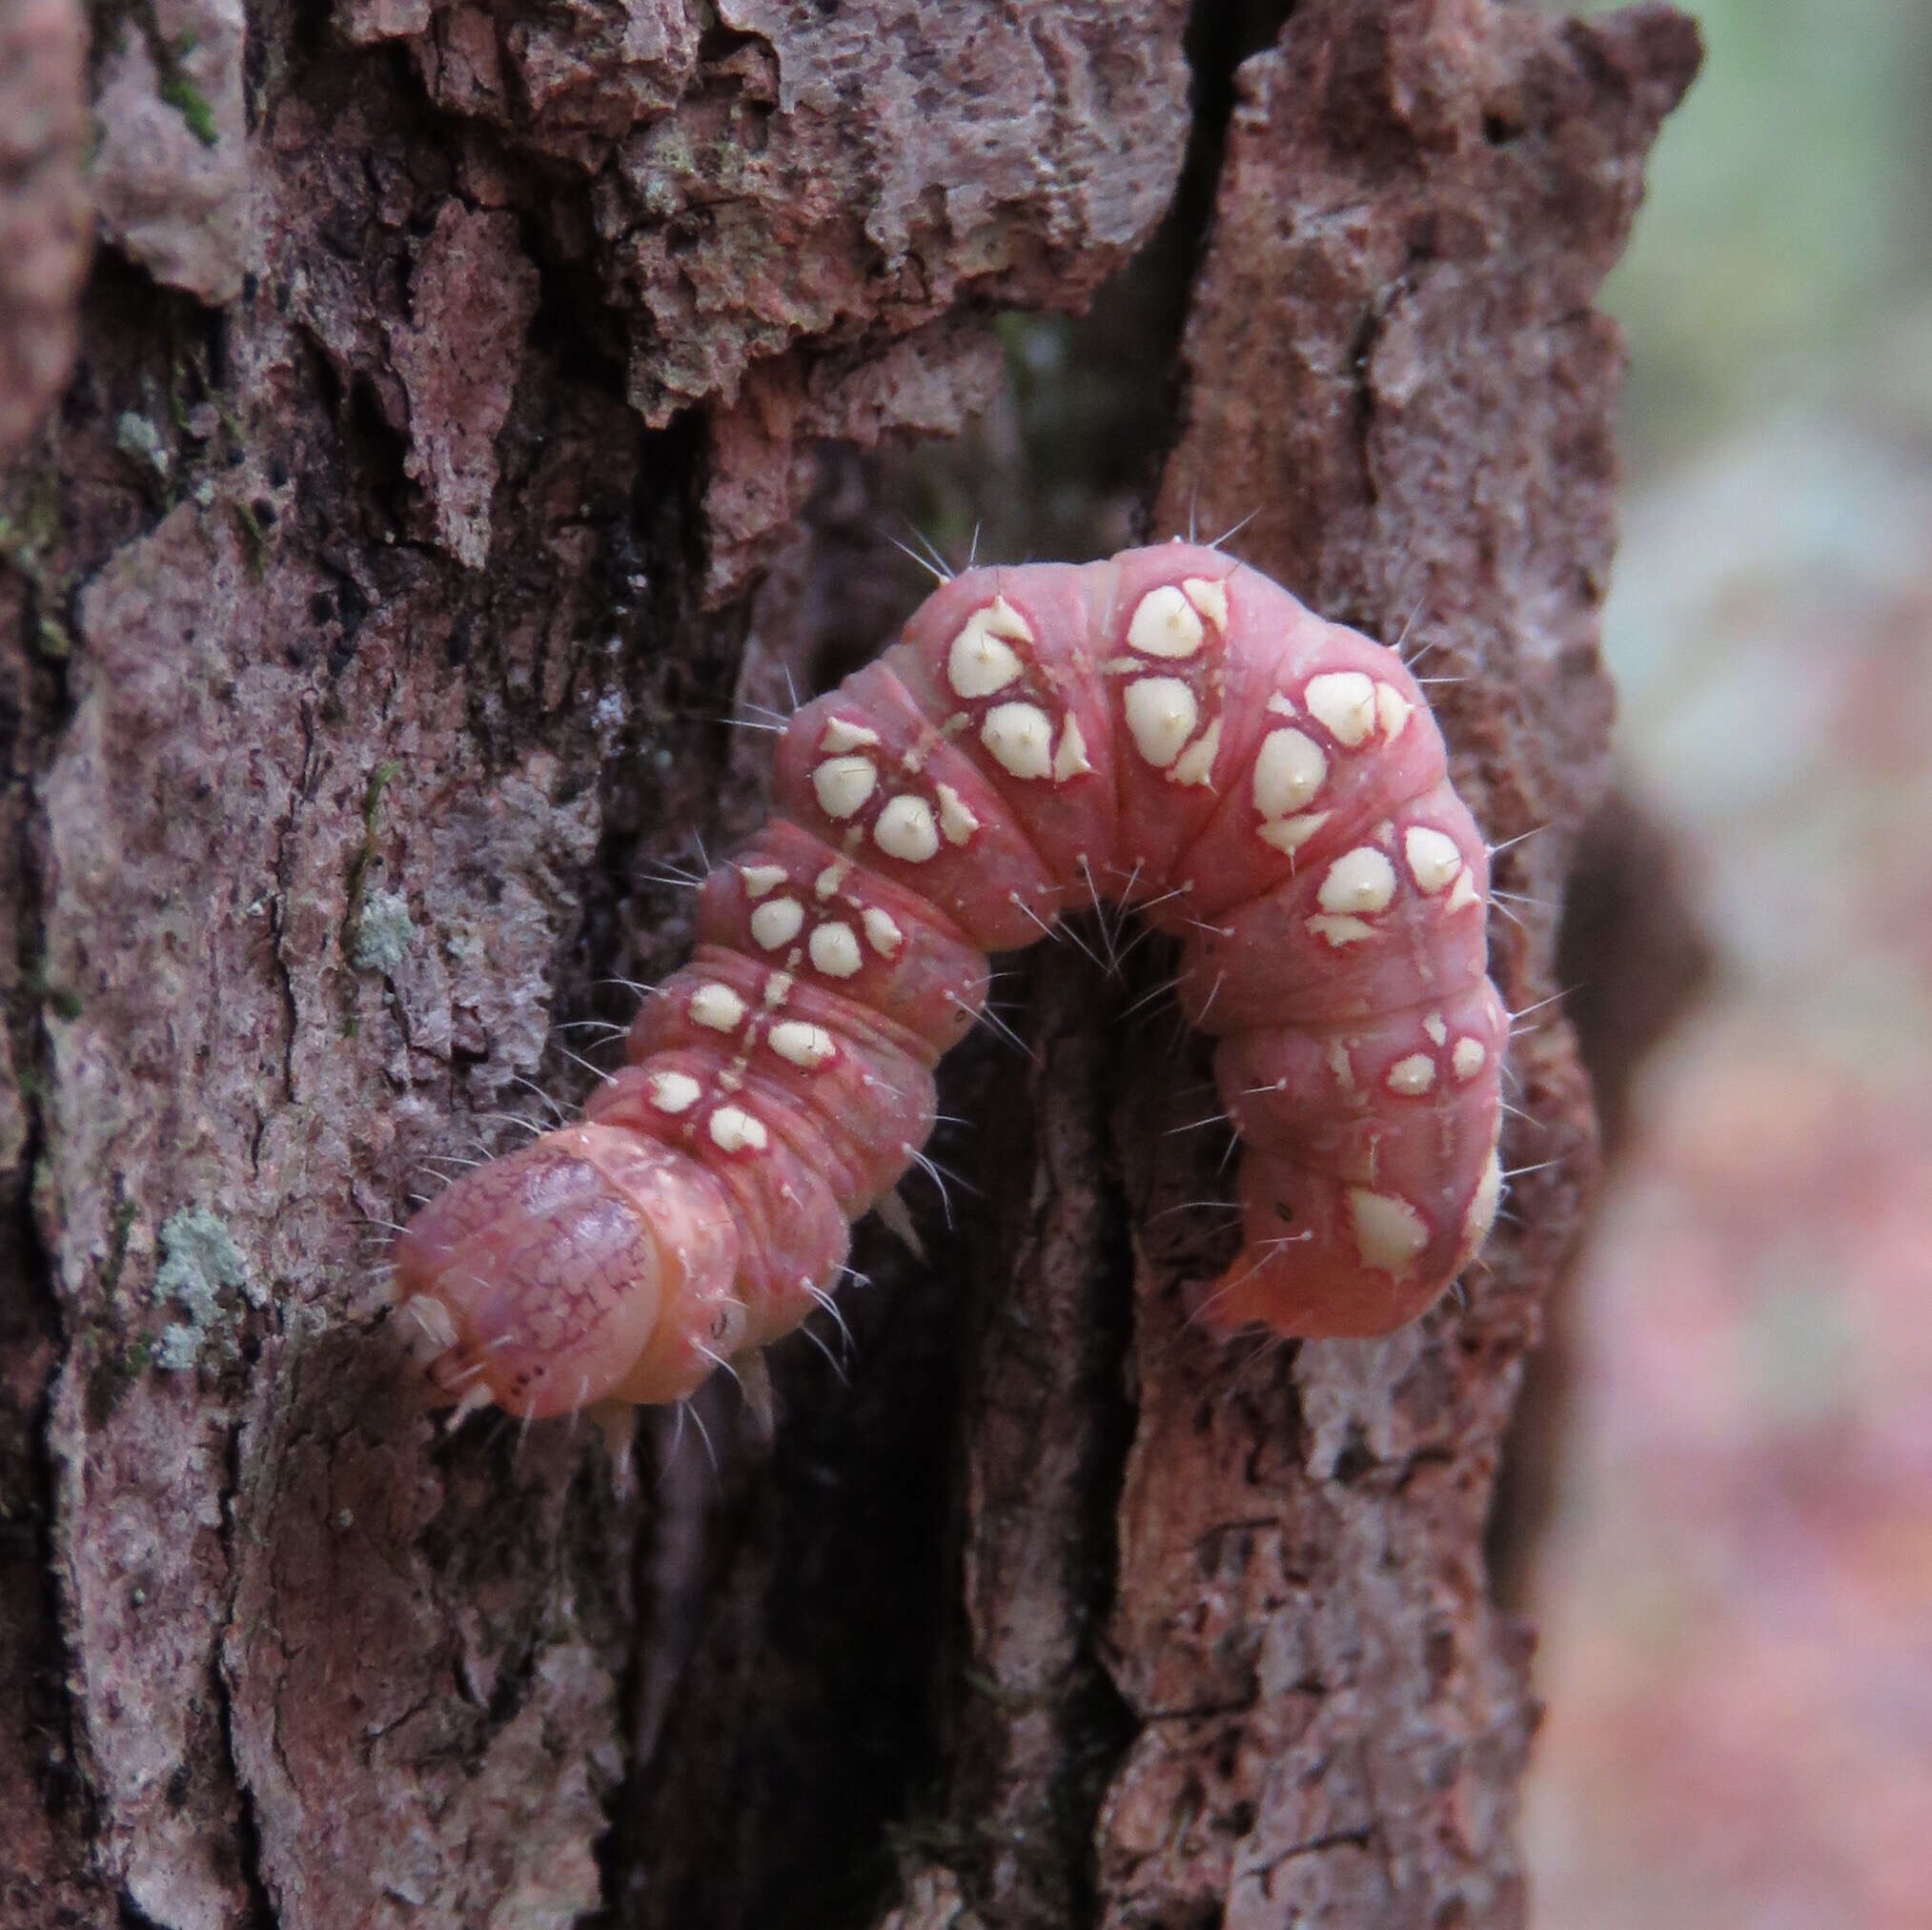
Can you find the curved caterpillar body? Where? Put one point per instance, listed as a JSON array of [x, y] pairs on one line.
[[1167, 729]]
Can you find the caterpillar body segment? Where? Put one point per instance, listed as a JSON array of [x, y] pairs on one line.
[[592, 1264], [1166, 729]]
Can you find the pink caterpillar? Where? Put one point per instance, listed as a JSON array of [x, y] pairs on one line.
[[1168, 730]]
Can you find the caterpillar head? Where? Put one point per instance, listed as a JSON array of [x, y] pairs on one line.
[[590, 1266]]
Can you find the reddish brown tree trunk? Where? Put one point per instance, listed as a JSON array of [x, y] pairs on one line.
[[467, 420]]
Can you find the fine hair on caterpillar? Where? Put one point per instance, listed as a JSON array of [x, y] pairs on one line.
[[1164, 732]]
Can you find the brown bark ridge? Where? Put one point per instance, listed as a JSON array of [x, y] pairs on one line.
[[463, 429], [1417, 207]]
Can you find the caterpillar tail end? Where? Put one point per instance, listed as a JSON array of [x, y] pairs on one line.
[[1346, 1263], [1264, 1288]]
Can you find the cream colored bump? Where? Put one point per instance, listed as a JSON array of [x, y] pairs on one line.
[[1342, 930], [761, 880], [1358, 881], [1389, 1232], [717, 1008], [1434, 856], [1195, 766], [906, 831], [1341, 1065], [843, 784], [1281, 704], [1161, 716], [806, 1047], [834, 950], [827, 883], [981, 658], [1289, 770], [1019, 736], [913, 762], [731, 1078], [1004, 620], [955, 820], [674, 1092], [1210, 597], [1342, 702], [842, 734], [1412, 1076], [1288, 834], [733, 1130], [778, 988], [882, 931], [1392, 710], [1469, 1057], [1465, 893], [1165, 624], [1069, 756], [1482, 1207], [776, 923], [1438, 1032]]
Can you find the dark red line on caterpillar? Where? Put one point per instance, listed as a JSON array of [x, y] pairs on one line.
[[1166, 730]]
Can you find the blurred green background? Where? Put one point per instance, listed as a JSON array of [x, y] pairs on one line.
[[1788, 227]]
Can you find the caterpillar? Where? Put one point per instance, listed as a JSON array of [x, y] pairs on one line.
[[1166, 730]]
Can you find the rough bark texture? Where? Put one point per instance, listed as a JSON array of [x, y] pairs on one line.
[[43, 212], [463, 425], [1414, 211]]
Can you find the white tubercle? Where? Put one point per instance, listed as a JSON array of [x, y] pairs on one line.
[[717, 1008], [674, 1092], [1161, 716], [1195, 766], [1342, 702], [1434, 856], [981, 658], [842, 784], [777, 922], [906, 829], [1289, 770], [1166, 624], [1069, 756], [806, 1047], [1412, 1076], [1389, 1232], [1288, 834], [1020, 738], [1208, 595], [841, 734], [834, 949], [1359, 881], [956, 820], [882, 931], [733, 1130]]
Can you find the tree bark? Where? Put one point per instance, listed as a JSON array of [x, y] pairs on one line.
[[470, 421]]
